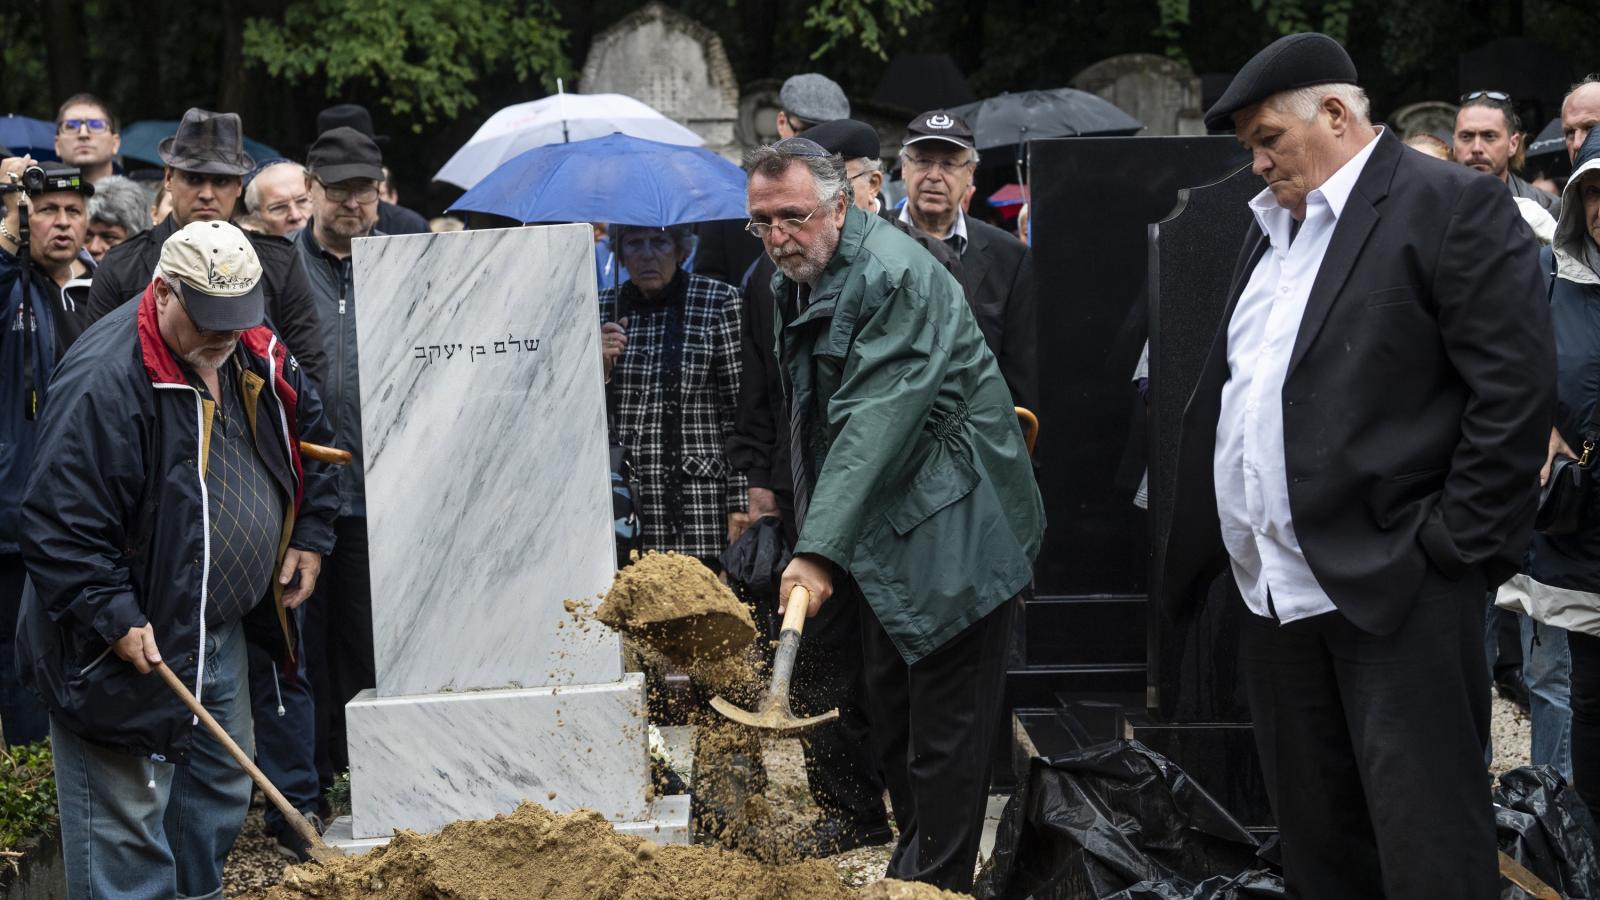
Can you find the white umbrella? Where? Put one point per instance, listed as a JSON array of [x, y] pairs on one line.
[[555, 120]]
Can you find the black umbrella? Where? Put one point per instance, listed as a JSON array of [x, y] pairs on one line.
[[1012, 119], [1550, 140]]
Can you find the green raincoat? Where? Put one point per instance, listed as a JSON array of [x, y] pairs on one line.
[[921, 485]]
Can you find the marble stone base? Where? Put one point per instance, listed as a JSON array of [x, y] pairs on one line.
[[668, 823], [422, 761]]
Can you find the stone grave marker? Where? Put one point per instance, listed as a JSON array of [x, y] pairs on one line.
[[671, 62], [489, 515], [1163, 94]]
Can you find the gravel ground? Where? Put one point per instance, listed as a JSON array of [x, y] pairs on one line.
[[1510, 730], [255, 866]]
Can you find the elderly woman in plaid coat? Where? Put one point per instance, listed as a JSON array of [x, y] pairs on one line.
[[671, 342]]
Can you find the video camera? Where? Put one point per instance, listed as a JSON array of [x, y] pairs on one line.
[[32, 181]]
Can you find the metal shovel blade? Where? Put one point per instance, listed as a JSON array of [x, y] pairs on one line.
[[771, 716]]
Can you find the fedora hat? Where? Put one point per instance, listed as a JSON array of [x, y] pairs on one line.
[[207, 142]]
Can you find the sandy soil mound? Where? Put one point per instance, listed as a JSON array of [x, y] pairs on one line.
[[535, 853]]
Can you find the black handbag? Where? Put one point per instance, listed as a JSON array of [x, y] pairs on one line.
[[1564, 495]]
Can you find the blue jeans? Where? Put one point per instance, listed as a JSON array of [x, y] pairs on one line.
[[1547, 671], [286, 726], [133, 828]]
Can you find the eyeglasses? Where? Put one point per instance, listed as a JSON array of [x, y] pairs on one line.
[[787, 226], [279, 210], [946, 166], [338, 194], [862, 174], [1496, 96], [95, 126]]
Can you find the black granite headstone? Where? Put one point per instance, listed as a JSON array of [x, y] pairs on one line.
[[1093, 199], [1198, 714], [1193, 665]]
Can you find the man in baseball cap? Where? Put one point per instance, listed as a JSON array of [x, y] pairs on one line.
[[168, 513], [938, 160]]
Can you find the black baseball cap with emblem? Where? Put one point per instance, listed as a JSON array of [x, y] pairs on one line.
[[1290, 62], [939, 125]]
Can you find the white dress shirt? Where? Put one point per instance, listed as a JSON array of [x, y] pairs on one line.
[[1251, 482], [956, 237]]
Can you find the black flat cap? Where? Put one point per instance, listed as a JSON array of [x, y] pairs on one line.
[[846, 137], [343, 153], [1293, 61]]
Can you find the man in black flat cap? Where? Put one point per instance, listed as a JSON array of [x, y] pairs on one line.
[[205, 167], [1362, 452], [392, 218]]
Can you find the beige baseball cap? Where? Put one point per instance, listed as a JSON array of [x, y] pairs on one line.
[[221, 275]]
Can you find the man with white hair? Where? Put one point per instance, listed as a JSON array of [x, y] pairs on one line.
[[167, 513], [1362, 452], [278, 194]]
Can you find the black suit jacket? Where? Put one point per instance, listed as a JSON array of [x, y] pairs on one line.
[[997, 275], [1417, 404]]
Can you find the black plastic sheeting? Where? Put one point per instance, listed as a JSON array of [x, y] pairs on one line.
[[1543, 824], [1120, 820]]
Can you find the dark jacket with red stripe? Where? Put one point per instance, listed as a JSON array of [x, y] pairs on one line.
[[115, 526]]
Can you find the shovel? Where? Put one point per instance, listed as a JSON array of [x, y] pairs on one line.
[[774, 714], [319, 851]]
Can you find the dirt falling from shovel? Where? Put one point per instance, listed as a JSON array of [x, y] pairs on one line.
[[677, 607]]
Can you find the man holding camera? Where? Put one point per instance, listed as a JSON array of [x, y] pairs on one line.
[[41, 319]]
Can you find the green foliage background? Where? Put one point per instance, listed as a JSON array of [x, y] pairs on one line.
[[432, 70], [27, 793]]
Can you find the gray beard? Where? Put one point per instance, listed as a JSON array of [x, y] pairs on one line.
[[206, 359]]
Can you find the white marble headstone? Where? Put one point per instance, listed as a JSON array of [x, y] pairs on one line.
[[488, 488]]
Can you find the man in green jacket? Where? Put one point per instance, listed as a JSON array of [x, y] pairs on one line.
[[913, 490]]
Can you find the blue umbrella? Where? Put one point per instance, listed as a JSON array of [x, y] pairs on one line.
[[28, 137], [140, 140], [616, 178]]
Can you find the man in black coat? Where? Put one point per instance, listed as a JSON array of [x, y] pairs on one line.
[[1362, 451], [205, 169], [938, 158]]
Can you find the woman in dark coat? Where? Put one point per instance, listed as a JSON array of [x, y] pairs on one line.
[[673, 353], [1567, 567]]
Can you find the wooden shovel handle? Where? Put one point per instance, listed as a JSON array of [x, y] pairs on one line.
[[324, 454], [794, 614], [290, 814]]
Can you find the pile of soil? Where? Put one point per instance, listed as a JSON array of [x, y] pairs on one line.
[[677, 607], [535, 853]]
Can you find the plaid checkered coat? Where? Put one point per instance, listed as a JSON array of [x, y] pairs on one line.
[[674, 411]]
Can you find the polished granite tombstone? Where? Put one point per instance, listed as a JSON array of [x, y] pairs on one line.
[[489, 514], [1197, 711], [1093, 198]]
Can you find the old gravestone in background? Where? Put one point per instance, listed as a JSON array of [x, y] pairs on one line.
[[672, 63], [489, 509], [1161, 93]]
